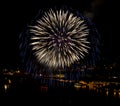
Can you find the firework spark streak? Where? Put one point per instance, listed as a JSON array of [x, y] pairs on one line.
[[59, 38]]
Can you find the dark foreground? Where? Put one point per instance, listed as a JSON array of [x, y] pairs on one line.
[[28, 91]]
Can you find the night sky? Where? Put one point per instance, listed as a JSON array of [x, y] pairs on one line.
[[14, 16]]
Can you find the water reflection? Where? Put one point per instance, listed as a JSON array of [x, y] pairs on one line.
[[97, 88], [105, 88], [102, 88]]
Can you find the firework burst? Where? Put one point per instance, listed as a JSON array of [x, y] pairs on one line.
[[58, 39]]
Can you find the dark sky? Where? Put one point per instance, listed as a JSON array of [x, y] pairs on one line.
[[15, 15]]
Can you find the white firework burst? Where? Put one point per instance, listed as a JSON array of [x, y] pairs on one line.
[[59, 38]]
